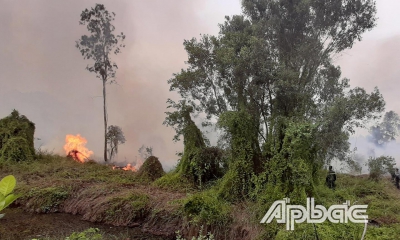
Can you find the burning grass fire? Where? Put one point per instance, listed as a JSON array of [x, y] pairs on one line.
[[75, 147], [128, 167]]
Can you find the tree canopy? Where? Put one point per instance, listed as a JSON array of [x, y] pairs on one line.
[[387, 130], [115, 137], [272, 67]]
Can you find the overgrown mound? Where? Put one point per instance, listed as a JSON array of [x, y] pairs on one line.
[[16, 149], [151, 169], [208, 164], [16, 138]]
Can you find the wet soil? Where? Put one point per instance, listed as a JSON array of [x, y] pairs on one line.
[[20, 225]]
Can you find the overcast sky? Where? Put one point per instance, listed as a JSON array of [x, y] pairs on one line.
[[43, 75]]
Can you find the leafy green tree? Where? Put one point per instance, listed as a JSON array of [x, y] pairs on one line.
[[193, 139], [115, 137], [272, 67], [99, 46], [379, 166], [387, 130]]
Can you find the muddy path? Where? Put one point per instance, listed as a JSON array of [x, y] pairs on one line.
[[20, 225]]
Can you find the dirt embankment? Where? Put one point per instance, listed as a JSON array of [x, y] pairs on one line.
[[126, 205], [154, 211], [97, 194]]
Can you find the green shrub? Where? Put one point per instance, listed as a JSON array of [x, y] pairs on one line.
[[89, 234], [244, 157], [208, 164], [379, 166], [205, 207], [174, 181], [14, 128], [16, 149], [47, 199], [129, 208]]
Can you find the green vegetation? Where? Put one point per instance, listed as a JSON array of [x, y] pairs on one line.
[[205, 208], [379, 166], [89, 234], [48, 199], [283, 112], [7, 185], [56, 183], [133, 206], [174, 181], [199, 164], [16, 138]]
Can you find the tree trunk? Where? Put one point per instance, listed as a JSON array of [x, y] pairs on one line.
[[105, 120]]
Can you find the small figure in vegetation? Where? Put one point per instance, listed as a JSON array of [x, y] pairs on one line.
[[331, 178], [397, 177]]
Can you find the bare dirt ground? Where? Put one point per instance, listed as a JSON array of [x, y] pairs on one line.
[[20, 225]]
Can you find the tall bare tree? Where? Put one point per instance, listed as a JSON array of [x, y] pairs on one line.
[[98, 46]]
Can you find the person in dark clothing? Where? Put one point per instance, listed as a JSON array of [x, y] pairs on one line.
[[331, 178], [397, 177]]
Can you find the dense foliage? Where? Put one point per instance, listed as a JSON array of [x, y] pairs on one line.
[[387, 130], [269, 81], [16, 138], [379, 166]]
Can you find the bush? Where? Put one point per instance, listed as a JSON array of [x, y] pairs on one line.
[[205, 207], [174, 181], [129, 208], [207, 165], [16, 149], [20, 131], [379, 166], [151, 169]]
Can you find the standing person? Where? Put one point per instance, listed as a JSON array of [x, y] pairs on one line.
[[397, 177], [331, 178]]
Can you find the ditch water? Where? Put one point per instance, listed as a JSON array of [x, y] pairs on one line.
[[20, 225]]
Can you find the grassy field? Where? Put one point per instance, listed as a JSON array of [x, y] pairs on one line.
[[96, 193]]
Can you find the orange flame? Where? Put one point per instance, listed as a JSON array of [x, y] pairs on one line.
[[129, 167], [75, 147]]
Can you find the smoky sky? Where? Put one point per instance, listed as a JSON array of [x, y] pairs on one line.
[[43, 75]]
